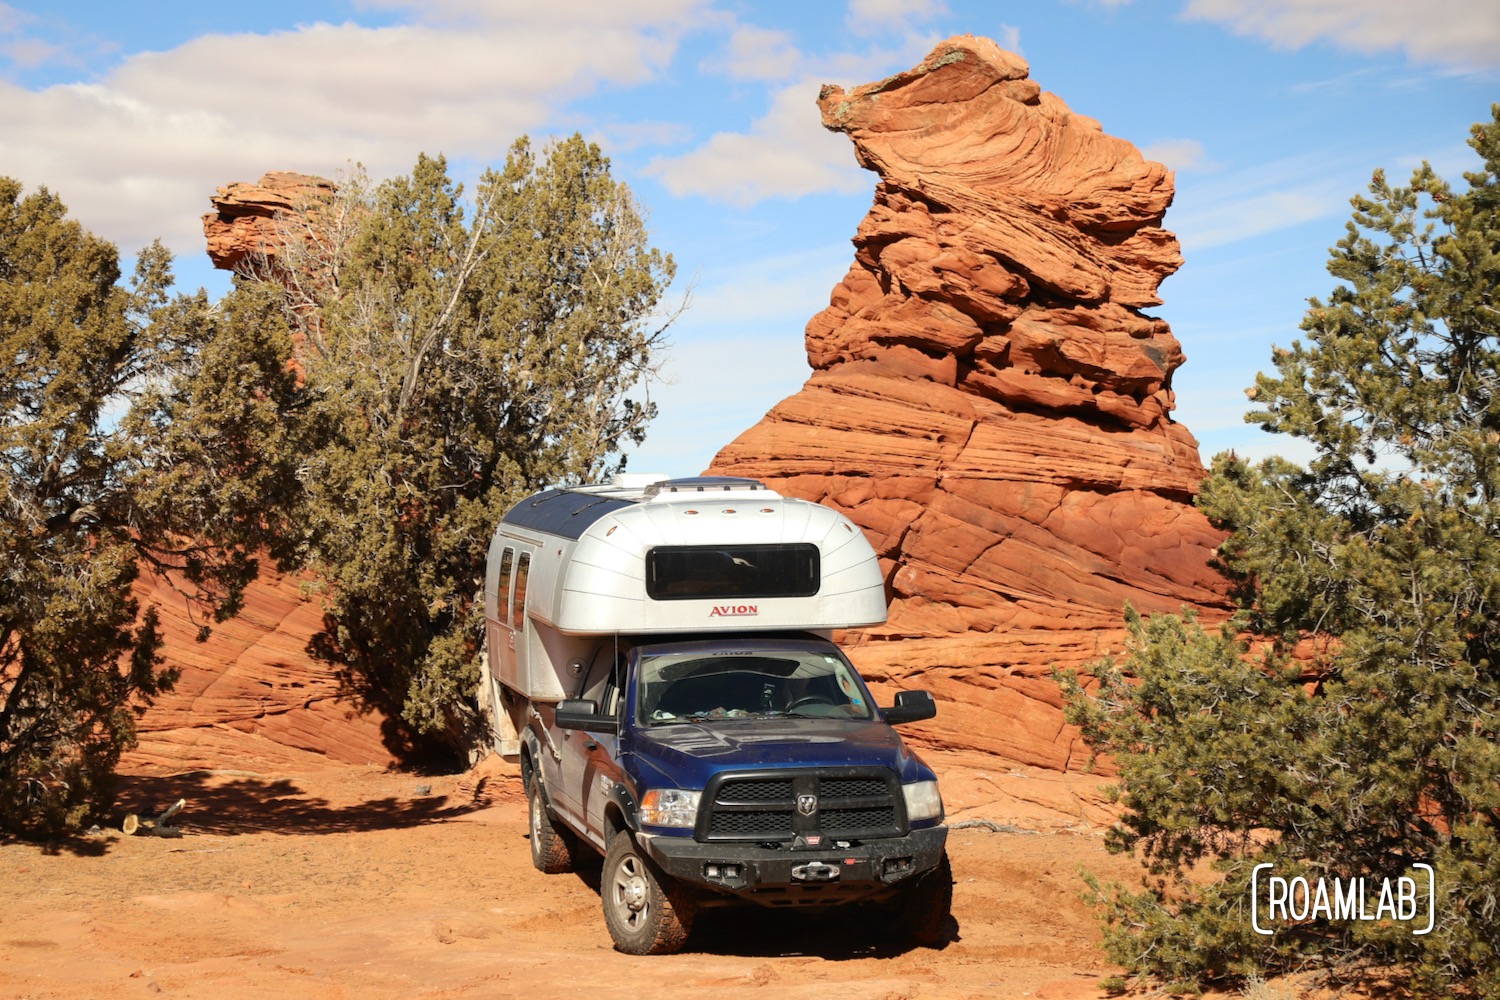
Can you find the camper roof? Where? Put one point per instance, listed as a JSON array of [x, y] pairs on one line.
[[568, 511]]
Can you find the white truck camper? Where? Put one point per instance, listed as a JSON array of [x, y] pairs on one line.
[[660, 662]]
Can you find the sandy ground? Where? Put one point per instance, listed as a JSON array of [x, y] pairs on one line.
[[357, 882]]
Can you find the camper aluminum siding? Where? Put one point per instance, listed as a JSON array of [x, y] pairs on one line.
[[589, 550]]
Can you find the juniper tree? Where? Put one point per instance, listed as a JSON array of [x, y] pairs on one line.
[[458, 356], [1374, 746], [133, 428]]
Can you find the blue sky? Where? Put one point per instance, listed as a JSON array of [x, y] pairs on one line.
[[1271, 112]]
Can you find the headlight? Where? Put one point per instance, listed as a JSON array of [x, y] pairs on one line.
[[923, 800], [669, 807]]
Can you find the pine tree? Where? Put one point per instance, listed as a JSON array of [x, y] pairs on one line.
[[133, 428], [458, 356], [1374, 745]]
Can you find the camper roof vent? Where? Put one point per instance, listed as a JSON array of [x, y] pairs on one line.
[[681, 489], [637, 480]]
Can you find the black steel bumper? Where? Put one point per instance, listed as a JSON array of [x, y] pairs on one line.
[[777, 877]]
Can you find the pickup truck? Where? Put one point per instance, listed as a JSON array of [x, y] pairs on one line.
[[668, 682]]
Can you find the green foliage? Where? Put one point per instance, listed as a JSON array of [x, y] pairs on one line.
[[1375, 745], [131, 434], [458, 356]]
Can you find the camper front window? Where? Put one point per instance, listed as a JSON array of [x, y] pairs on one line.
[[723, 572]]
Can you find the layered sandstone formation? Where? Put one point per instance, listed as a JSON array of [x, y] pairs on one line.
[[250, 697], [251, 220], [989, 401]]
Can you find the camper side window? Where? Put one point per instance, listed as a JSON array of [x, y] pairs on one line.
[[523, 567], [502, 586]]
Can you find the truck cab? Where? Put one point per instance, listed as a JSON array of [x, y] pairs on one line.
[[670, 687]]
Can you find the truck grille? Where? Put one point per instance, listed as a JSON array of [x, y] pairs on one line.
[[850, 806]]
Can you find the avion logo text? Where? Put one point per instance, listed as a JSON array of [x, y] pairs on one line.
[[734, 611]]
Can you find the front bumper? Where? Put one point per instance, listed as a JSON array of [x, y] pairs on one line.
[[786, 877]]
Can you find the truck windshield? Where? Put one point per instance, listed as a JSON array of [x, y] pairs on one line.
[[748, 681]]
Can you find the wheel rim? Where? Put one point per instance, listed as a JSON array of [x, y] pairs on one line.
[[630, 893]]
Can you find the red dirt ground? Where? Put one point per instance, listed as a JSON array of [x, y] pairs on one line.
[[360, 882]]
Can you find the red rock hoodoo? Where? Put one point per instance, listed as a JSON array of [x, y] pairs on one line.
[[251, 696], [990, 403]]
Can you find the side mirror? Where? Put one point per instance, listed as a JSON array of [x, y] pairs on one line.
[[911, 706], [583, 714]]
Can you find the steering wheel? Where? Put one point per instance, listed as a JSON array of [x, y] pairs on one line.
[[810, 699]]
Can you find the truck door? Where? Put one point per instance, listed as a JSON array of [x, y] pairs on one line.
[[579, 750], [602, 767]]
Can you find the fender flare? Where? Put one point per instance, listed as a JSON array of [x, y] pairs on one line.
[[621, 798]]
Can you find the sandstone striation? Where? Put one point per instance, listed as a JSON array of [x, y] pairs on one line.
[[989, 401], [250, 697]]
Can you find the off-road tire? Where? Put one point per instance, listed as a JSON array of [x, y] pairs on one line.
[[925, 913], [645, 912], [552, 849]]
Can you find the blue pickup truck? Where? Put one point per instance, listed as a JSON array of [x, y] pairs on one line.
[[660, 662]]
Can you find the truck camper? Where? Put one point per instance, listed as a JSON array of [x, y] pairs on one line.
[[660, 662]]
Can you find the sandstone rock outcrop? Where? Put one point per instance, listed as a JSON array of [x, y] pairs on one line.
[[250, 697], [246, 219], [989, 401]]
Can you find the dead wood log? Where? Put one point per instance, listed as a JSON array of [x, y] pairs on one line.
[[155, 826]]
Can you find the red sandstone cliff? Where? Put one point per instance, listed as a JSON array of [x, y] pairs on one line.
[[990, 403]]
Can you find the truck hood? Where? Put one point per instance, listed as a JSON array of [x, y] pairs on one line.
[[689, 754]]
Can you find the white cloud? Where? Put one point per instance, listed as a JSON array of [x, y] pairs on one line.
[[872, 17], [1458, 33], [787, 153], [137, 154], [1008, 37], [677, 14], [17, 47], [754, 53], [1256, 215], [29, 53], [1214, 210], [621, 137], [1179, 154], [778, 293]]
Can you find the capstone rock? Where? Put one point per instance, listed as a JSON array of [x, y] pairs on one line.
[[250, 221]]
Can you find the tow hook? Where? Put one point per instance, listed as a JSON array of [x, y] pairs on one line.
[[816, 871]]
